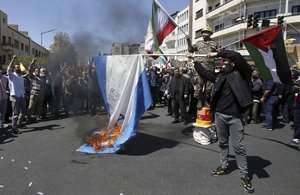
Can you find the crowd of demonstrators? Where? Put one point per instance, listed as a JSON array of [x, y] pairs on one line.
[[238, 96], [40, 94], [172, 89]]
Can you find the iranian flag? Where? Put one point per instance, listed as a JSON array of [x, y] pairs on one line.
[[267, 50], [160, 26]]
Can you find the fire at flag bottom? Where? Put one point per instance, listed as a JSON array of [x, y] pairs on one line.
[[126, 94]]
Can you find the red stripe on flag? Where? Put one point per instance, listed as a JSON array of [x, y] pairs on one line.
[[165, 31], [264, 39]]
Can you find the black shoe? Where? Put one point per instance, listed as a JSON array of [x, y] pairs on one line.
[[247, 184], [22, 126], [265, 128], [16, 131], [176, 121], [220, 171], [185, 122]]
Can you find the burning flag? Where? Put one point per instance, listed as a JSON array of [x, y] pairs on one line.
[[160, 26], [125, 90], [268, 52]]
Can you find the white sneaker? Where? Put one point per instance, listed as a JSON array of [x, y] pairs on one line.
[[295, 142]]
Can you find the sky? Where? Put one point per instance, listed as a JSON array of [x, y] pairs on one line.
[[96, 23]]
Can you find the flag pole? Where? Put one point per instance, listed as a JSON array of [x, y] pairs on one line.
[[223, 47], [174, 54]]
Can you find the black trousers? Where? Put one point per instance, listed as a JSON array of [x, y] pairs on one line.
[[179, 103]]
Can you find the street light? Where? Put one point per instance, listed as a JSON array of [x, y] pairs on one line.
[[45, 32]]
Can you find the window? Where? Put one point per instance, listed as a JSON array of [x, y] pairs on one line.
[[198, 33], [296, 10], [16, 44], [199, 14], [22, 46], [266, 14], [27, 48], [219, 27], [4, 40], [4, 20]]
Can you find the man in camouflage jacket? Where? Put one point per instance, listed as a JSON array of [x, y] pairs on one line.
[[203, 88]]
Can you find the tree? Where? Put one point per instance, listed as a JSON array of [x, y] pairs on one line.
[[62, 51]]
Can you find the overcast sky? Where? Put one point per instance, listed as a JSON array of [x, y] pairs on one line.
[[97, 22]]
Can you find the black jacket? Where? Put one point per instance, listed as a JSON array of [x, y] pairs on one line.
[[239, 80], [182, 86]]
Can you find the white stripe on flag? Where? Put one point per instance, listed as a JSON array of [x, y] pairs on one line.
[[270, 63]]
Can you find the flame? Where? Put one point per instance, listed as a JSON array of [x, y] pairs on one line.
[[105, 138]]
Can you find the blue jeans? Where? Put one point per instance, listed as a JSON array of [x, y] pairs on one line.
[[3, 107], [270, 111]]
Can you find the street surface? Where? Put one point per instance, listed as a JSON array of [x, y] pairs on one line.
[[162, 159]]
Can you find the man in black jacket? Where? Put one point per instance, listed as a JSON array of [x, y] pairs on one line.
[[178, 90], [231, 98]]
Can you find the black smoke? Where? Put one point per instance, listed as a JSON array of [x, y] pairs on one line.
[[105, 22]]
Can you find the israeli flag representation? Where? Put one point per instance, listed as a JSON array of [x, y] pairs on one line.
[[126, 93]]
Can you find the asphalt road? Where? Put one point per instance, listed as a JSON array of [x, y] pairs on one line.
[[162, 159]]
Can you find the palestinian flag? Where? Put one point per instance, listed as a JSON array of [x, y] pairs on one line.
[[267, 50], [160, 26]]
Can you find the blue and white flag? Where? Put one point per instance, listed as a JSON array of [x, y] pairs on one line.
[[125, 90]]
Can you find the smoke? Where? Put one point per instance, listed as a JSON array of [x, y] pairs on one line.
[[106, 22], [86, 125]]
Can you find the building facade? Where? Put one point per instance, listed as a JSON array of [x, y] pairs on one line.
[[15, 42], [176, 41], [125, 48], [228, 19]]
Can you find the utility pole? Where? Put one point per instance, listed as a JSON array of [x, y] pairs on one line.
[[44, 32]]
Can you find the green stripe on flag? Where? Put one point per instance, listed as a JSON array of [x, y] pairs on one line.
[[259, 61]]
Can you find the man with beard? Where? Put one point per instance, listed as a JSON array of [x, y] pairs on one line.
[[231, 98], [17, 95]]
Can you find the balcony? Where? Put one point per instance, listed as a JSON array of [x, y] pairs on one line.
[[7, 46], [226, 7]]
